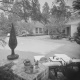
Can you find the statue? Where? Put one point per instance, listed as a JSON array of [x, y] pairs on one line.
[[12, 44]]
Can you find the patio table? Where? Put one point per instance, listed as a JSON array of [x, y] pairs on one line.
[[63, 58]]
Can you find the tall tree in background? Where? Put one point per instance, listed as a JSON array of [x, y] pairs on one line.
[[59, 14], [23, 8], [78, 34], [35, 12], [45, 11], [76, 4], [4, 24]]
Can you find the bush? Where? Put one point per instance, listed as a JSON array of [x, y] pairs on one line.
[[75, 35], [77, 38], [6, 73]]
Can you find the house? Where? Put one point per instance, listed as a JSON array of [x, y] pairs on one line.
[[72, 24], [38, 28], [32, 28], [72, 27]]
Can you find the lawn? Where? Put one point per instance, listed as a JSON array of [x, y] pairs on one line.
[[31, 46], [72, 50]]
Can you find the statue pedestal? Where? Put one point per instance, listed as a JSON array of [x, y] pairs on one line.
[[13, 57]]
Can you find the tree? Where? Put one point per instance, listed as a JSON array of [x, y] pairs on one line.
[[45, 11], [76, 4], [23, 27], [35, 10], [77, 37], [4, 26], [59, 14], [23, 8]]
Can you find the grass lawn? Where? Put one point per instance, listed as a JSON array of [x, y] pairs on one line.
[[22, 54], [70, 49], [31, 46]]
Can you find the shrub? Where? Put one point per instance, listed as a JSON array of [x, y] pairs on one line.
[[77, 39], [6, 73]]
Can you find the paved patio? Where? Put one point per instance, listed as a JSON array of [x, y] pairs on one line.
[[42, 45]]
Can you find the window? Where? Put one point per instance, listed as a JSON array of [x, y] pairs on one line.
[[36, 30], [40, 30]]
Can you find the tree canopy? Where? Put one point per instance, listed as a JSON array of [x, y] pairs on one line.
[[59, 14], [23, 8], [45, 11], [76, 4]]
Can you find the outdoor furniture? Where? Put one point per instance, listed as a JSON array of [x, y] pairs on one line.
[[63, 58], [76, 60], [52, 64]]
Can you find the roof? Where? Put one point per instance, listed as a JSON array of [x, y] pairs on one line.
[[37, 24], [32, 24]]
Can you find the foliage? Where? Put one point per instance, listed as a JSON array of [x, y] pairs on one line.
[[59, 14], [45, 11], [35, 13], [23, 9], [78, 34], [76, 4], [4, 24], [24, 28], [6, 73]]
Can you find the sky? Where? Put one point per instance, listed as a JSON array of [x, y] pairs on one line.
[[68, 2]]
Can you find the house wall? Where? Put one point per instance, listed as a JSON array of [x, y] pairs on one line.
[[73, 29], [70, 30], [38, 33]]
